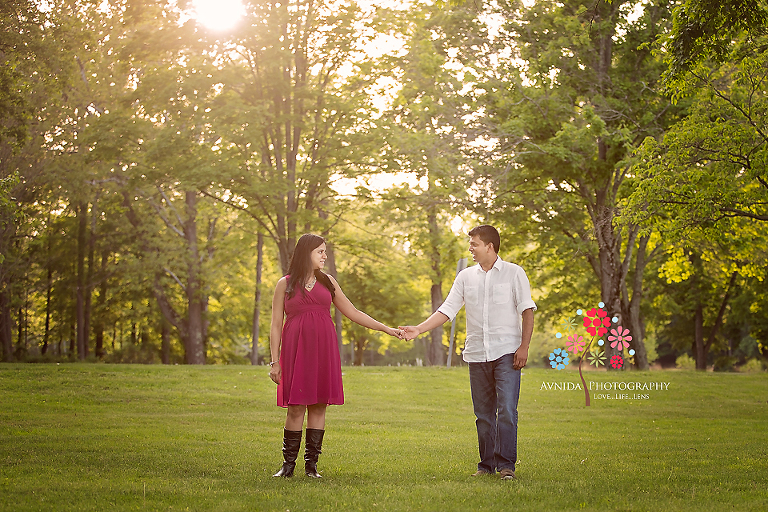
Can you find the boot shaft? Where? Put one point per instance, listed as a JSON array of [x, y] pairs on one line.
[[312, 450], [313, 444], [291, 444]]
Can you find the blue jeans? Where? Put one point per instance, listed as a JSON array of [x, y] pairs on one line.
[[495, 391]]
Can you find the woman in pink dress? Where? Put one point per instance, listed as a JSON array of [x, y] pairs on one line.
[[305, 356]]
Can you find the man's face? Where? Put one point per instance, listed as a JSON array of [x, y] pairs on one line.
[[479, 249]]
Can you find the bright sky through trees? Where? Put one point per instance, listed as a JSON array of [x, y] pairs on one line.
[[218, 14]]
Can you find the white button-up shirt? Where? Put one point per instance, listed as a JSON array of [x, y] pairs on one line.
[[495, 301]]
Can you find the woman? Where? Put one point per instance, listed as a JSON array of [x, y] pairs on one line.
[[305, 356]]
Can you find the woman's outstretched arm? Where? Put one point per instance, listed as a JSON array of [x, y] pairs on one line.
[[350, 311]]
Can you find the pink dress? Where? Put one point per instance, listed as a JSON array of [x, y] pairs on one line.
[[309, 357]]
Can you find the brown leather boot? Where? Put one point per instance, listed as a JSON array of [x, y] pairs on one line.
[[312, 450], [291, 443]]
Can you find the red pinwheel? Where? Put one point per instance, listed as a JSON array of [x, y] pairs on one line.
[[597, 322]]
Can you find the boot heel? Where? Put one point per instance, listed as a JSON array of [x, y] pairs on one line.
[[287, 470]]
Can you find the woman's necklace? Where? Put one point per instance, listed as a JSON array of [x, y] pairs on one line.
[[311, 283]]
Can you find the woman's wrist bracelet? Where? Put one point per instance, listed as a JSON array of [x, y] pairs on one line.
[[272, 362]]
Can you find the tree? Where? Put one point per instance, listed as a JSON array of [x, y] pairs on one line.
[[299, 77], [706, 30], [24, 54], [34, 71], [711, 165], [426, 139], [565, 122], [378, 278]]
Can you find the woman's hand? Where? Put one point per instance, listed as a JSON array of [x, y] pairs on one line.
[[397, 333], [275, 372]]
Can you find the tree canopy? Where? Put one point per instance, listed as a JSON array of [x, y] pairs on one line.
[[155, 173]]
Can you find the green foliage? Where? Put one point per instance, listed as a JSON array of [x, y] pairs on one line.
[[706, 29], [752, 366], [298, 113], [711, 165], [569, 90], [9, 213], [685, 362], [176, 145]]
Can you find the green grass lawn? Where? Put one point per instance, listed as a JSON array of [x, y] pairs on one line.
[[114, 437]]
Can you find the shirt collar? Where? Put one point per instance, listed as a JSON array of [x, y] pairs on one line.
[[496, 265]]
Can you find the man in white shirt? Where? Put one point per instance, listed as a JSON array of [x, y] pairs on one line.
[[499, 309]]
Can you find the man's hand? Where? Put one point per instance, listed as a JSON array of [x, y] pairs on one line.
[[521, 358], [410, 331]]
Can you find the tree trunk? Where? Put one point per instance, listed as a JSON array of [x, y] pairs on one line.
[[99, 327], [195, 349], [82, 223], [700, 345], [359, 345], [89, 277], [19, 332], [435, 352], [611, 278], [48, 289], [169, 314], [257, 300], [6, 323], [165, 342], [721, 312], [88, 295], [698, 338], [635, 320], [144, 337], [331, 262], [73, 338]]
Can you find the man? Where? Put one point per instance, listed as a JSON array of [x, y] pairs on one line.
[[497, 296]]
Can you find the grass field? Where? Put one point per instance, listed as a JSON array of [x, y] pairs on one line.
[[114, 437]]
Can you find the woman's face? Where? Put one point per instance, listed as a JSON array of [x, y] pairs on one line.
[[318, 257]]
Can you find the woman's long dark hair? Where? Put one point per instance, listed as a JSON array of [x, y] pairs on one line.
[[300, 268]]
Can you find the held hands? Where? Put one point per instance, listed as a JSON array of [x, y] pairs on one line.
[[397, 333], [409, 332]]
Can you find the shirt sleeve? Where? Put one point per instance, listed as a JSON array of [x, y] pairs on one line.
[[452, 304], [522, 290]]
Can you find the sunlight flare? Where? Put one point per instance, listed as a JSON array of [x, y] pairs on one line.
[[218, 15]]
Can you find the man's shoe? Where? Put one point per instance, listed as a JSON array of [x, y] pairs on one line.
[[507, 474], [481, 472]]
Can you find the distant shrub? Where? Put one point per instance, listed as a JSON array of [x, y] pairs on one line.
[[685, 362], [724, 364], [134, 354], [752, 366]]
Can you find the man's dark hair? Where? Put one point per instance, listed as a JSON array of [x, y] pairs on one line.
[[488, 235]]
